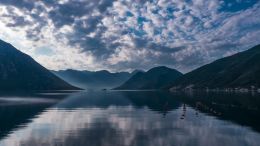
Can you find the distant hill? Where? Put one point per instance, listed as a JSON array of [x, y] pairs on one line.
[[94, 80], [241, 70], [155, 78], [19, 71]]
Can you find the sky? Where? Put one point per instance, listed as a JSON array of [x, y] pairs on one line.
[[123, 35]]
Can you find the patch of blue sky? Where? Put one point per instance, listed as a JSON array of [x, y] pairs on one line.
[[138, 33], [44, 51], [237, 5], [129, 14]]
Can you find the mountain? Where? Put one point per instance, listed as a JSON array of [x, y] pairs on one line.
[[93, 80], [241, 70], [155, 78], [19, 71]]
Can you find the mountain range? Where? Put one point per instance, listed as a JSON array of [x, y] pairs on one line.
[[94, 79], [241, 70], [19, 71], [154, 78]]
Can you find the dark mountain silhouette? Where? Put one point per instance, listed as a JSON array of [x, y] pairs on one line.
[[241, 70], [94, 80], [155, 78], [19, 71]]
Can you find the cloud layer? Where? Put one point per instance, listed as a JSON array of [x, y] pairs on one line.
[[127, 34]]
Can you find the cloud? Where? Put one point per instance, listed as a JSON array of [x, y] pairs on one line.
[[124, 35]]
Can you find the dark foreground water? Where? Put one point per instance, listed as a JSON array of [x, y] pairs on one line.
[[129, 119]]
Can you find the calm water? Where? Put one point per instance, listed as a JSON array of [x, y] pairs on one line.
[[129, 119]]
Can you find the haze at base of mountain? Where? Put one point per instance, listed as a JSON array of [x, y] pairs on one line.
[[19, 71], [94, 80], [241, 70], [155, 78]]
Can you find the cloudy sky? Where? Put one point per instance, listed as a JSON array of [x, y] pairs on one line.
[[122, 35]]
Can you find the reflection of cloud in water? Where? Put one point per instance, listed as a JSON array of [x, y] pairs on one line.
[[129, 126], [24, 100]]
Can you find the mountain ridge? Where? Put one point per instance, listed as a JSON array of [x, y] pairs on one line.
[[240, 70], [94, 79], [19, 71], [154, 78]]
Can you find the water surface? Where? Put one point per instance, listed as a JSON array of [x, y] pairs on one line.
[[111, 118]]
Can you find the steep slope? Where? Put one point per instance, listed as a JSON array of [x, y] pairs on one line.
[[19, 71], [93, 80], [241, 70], [155, 78]]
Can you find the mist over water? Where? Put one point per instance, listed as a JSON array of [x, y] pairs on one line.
[[150, 118]]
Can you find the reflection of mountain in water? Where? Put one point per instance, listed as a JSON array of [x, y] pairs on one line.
[[18, 109], [14, 117], [243, 109], [17, 115], [132, 118], [161, 102]]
